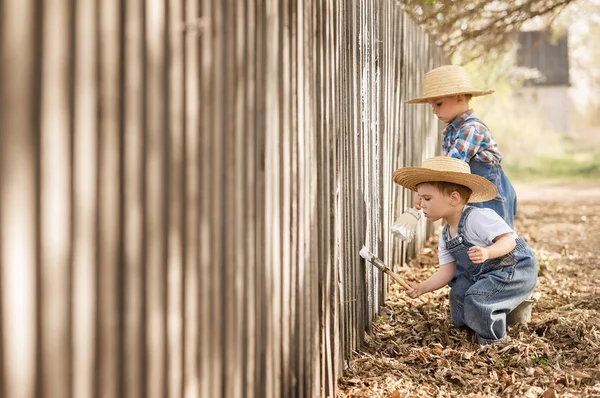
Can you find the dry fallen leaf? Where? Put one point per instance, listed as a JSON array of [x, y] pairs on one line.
[[549, 393]]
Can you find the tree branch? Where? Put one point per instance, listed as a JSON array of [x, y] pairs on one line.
[[473, 24]]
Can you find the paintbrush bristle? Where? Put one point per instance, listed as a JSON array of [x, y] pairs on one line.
[[365, 253], [406, 224]]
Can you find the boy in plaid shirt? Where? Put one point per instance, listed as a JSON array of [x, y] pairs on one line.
[[448, 90]]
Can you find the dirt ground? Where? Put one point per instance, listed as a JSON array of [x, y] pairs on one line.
[[414, 350]]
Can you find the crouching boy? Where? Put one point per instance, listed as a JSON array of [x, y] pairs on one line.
[[489, 268]]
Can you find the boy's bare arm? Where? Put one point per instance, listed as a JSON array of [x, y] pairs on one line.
[[436, 281], [502, 245]]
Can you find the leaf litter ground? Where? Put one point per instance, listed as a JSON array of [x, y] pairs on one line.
[[414, 351]]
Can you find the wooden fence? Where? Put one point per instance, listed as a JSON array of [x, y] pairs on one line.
[[185, 187]]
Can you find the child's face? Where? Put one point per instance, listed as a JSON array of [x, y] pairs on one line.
[[434, 203], [449, 108]]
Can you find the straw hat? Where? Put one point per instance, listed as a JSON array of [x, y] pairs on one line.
[[447, 80], [446, 169]]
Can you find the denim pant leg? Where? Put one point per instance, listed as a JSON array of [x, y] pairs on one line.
[[460, 285], [494, 295], [510, 197]]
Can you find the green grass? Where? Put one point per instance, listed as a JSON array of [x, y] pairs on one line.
[[572, 167], [540, 361]]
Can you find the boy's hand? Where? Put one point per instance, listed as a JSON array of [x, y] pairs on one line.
[[478, 254], [414, 291], [417, 201]]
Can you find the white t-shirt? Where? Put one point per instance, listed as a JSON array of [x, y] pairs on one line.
[[481, 228]]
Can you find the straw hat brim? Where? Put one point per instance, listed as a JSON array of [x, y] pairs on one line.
[[474, 93], [411, 177]]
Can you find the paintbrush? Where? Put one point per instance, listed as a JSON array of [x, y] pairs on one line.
[[370, 257], [406, 224]]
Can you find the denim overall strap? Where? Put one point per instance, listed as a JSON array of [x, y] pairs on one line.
[[463, 219], [458, 246], [461, 224]]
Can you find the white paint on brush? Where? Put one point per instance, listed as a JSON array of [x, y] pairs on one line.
[[366, 254]]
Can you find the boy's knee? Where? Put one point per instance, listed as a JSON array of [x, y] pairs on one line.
[[475, 310], [473, 303]]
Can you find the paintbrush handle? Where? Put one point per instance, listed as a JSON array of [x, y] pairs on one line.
[[381, 265], [397, 278]]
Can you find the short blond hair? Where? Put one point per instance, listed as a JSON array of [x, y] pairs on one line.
[[447, 188]]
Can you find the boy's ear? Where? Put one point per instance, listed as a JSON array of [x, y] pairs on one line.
[[456, 198], [461, 98]]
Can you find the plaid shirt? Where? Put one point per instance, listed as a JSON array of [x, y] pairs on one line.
[[466, 138]]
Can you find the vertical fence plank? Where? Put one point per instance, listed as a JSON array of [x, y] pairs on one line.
[[54, 199], [206, 349], [343, 285], [18, 200], [109, 238], [133, 210], [85, 201], [290, 58], [252, 213], [332, 190], [235, 149], [273, 197], [2, 340], [395, 249], [233, 219], [302, 186], [387, 121], [262, 299], [212, 188], [218, 205], [193, 30], [156, 146], [314, 259], [175, 203], [287, 190]]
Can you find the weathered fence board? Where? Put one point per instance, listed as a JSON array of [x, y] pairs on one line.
[[185, 186]]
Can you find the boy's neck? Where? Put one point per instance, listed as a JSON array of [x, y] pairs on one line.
[[454, 218], [461, 112]]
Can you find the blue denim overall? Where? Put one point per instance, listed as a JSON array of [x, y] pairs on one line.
[[505, 204], [481, 295]]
